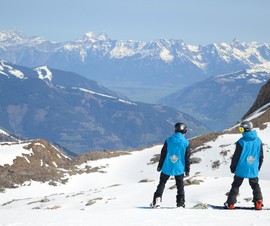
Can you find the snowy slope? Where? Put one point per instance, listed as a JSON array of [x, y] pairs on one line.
[[116, 195], [9, 152], [63, 79], [3, 132]]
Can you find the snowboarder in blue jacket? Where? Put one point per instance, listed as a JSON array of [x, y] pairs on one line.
[[174, 161], [246, 163]]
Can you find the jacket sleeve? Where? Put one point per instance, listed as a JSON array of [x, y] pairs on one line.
[[162, 156], [236, 157], [261, 157], [187, 159]]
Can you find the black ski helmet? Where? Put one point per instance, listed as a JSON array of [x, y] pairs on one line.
[[180, 127], [245, 126]]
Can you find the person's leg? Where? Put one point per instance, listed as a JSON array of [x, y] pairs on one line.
[[257, 194], [180, 197], [160, 188], [232, 197]]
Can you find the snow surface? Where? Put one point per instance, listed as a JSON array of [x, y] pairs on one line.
[[260, 67], [9, 152], [118, 196], [4, 66], [3, 132], [44, 73], [104, 95], [165, 55], [256, 75], [121, 50]]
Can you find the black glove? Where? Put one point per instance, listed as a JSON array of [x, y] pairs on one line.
[[158, 169]]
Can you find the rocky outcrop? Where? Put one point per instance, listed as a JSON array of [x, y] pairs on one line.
[[263, 98], [43, 163]]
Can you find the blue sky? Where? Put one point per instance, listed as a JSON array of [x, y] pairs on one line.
[[198, 22]]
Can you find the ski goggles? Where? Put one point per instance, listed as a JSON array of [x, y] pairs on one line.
[[241, 129]]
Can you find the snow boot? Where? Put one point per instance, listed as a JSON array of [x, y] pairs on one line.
[[258, 205], [180, 205], [229, 206], [156, 203], [180, 201]]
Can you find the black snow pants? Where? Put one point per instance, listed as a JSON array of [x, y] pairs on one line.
[[179, 179], [237, 182]]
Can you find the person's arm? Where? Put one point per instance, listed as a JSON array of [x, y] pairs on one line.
[[187, 160], [162, 156], [261, 157], [236, 157]]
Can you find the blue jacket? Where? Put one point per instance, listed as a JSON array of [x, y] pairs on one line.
[[175, 155], [248, 156]]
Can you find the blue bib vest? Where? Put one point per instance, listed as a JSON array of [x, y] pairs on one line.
[[248, 164], [174, 163]]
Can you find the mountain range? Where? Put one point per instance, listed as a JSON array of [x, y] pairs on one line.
[[216, 84], [79, 114], [143, 71], [221, 100]]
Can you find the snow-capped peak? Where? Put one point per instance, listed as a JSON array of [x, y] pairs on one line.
[[103, 36], [90, 36], [12, 35]]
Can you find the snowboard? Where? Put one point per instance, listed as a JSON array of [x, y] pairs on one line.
[[161, 207], [208, 206], [217, 207]]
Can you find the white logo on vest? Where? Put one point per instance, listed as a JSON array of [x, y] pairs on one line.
[[251, 159], [174, 158]]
